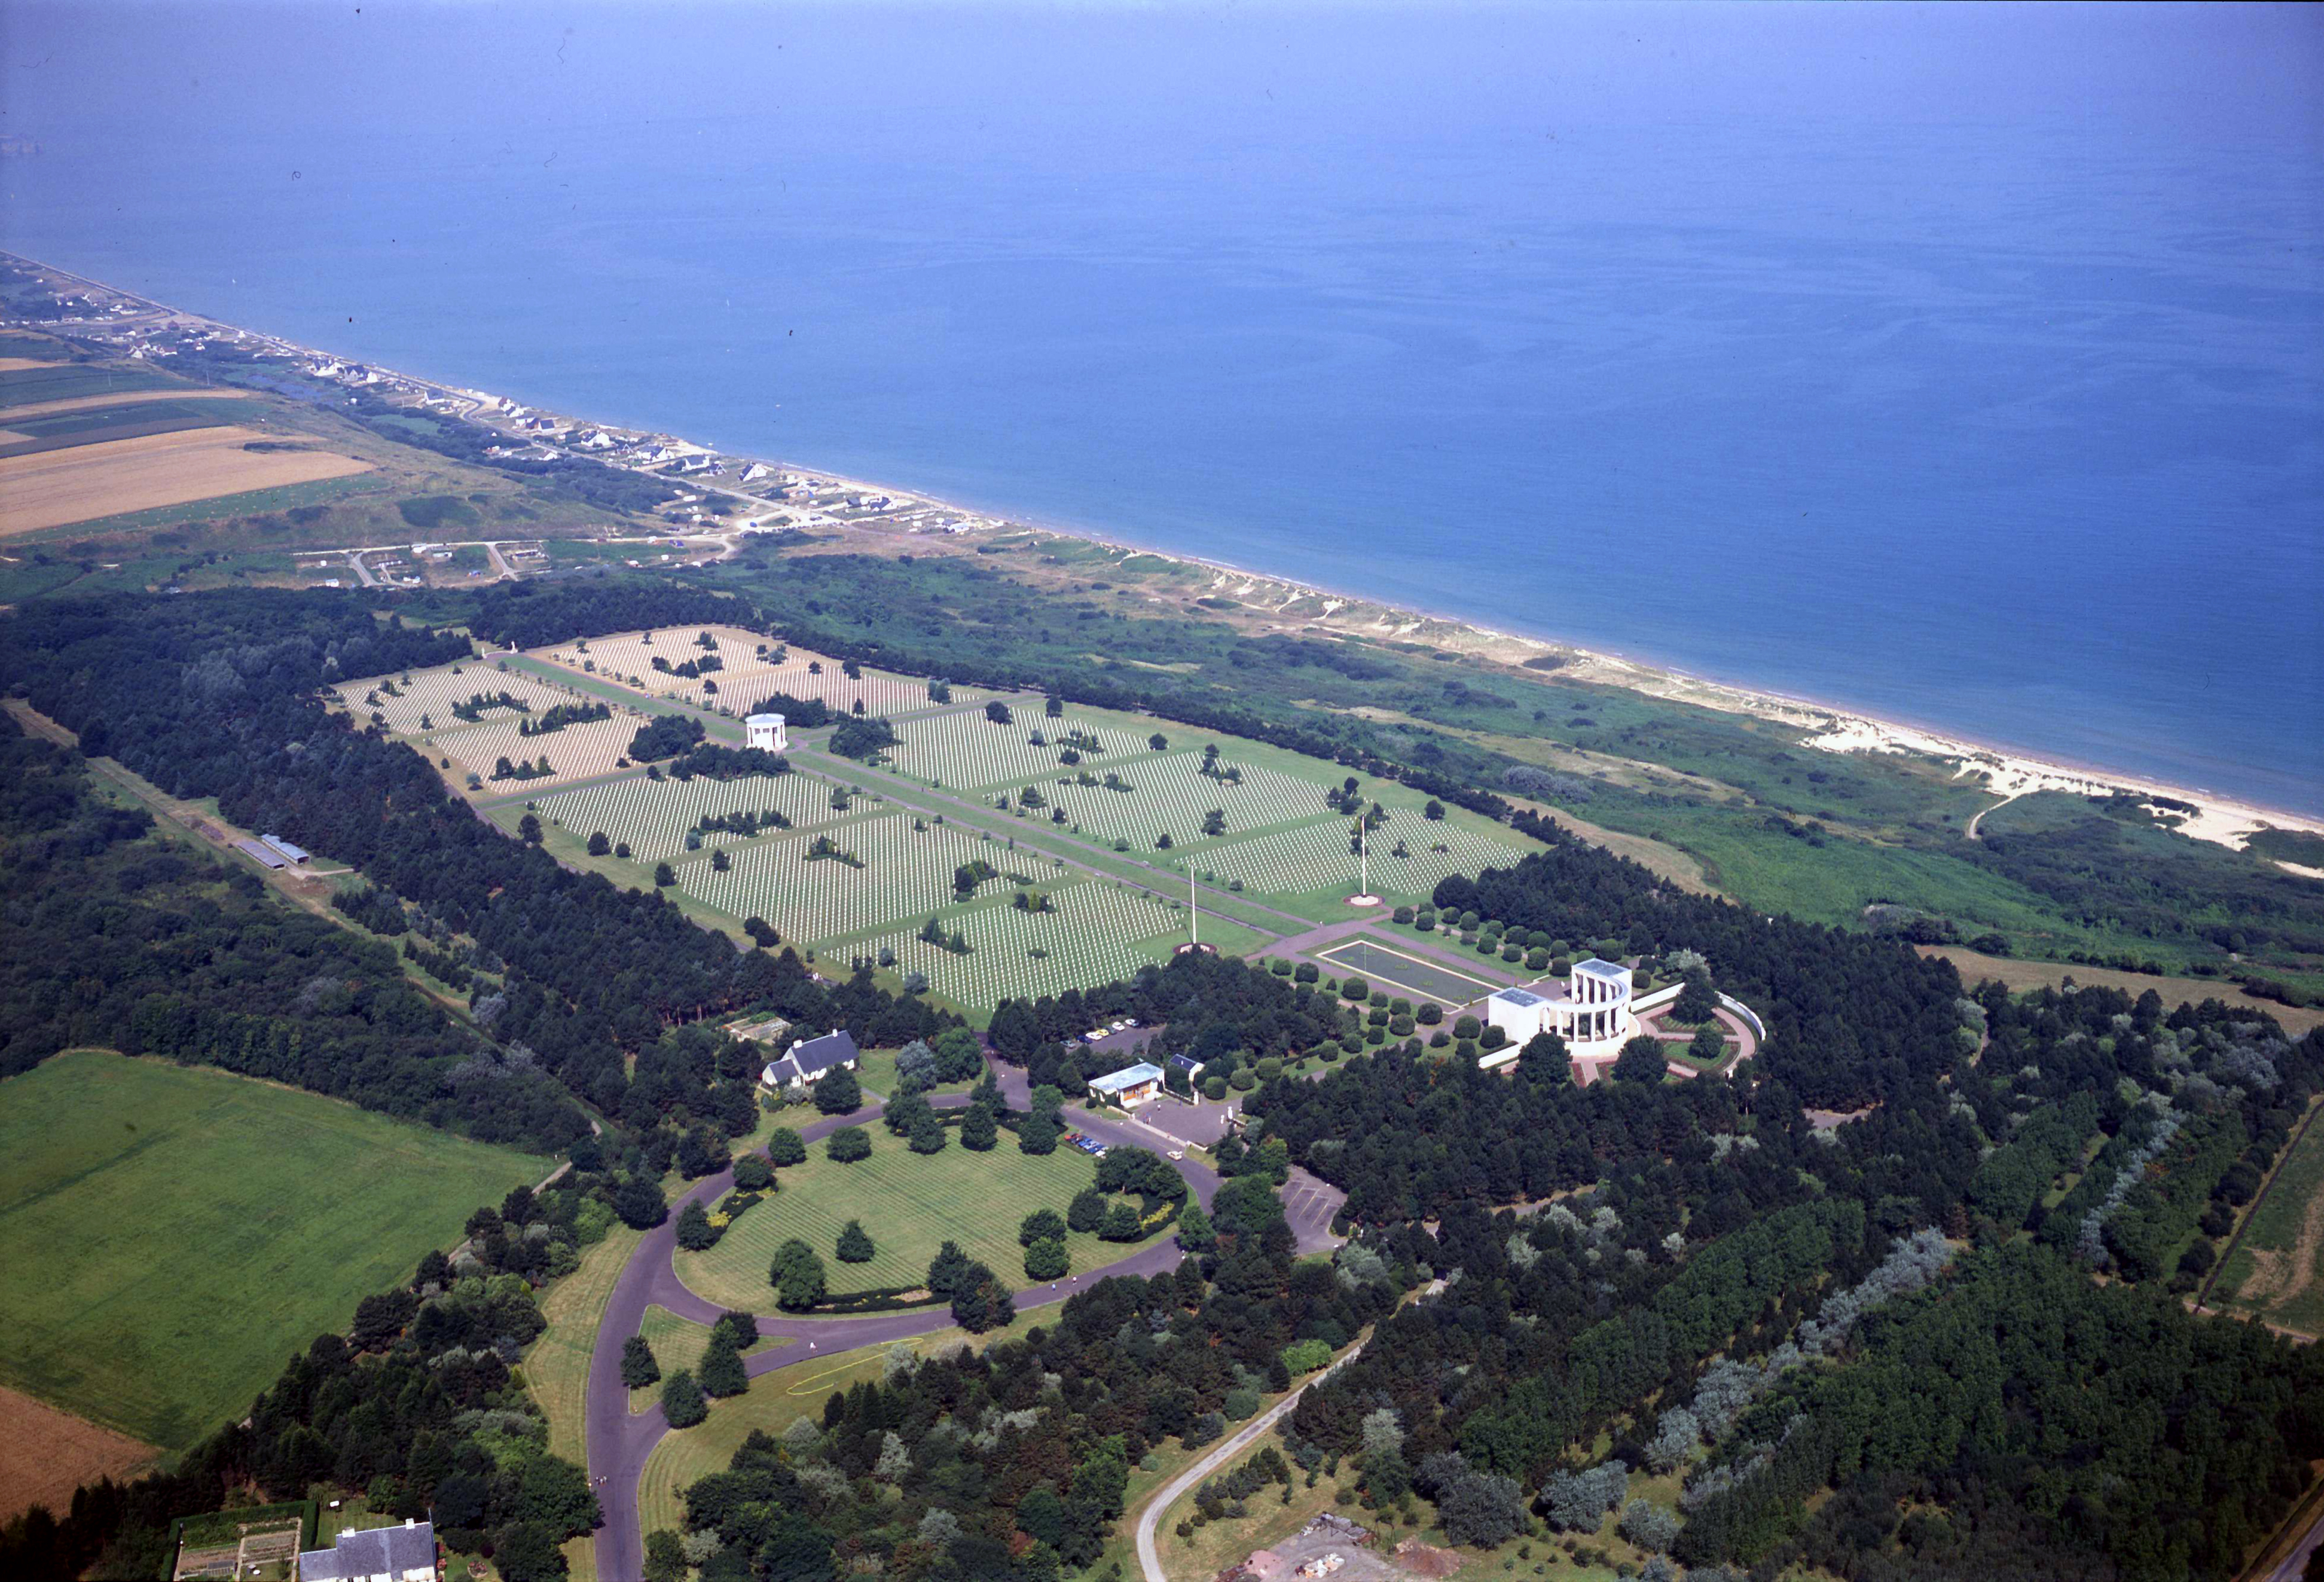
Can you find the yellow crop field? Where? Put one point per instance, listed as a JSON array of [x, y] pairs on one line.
[[51, 488]]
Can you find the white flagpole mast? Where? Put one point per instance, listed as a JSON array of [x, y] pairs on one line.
[[1193, 911]]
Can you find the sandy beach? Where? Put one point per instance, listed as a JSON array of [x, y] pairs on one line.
[[2193, 811]]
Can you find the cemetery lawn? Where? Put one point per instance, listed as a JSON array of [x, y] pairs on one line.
[[909, 1204]]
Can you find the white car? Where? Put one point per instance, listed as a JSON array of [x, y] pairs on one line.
[[1177, 1153]]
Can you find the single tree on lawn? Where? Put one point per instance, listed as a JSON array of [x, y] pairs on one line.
[[959, 1057], [927, 1133], [949, 1271], [916, 1068], [1641, 1061], [1708, 1044], [983, 1304], [855, 1246], [837, 1092], [978, 1131], [639, 1203], [1045, 1260], [599, 846], [848, 1144], [796, 1276], [665, 875], [639, 1367], [1697, 1001], [1087, 1210], [1041, 1225], [1121, 1223], [784, 1146], [902, 1112], [694, 1232], [753, 1173], [723, 1372], [1038, 1134], [528, 829], [682, 1401]]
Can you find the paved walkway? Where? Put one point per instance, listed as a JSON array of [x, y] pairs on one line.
[[619, 1442], [1150, 1559]]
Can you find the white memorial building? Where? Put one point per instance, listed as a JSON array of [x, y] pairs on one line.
[[1593, 1015], [765, 732]]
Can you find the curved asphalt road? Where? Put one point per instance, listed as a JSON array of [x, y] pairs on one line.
[[1149, 1554], [620, 1441]]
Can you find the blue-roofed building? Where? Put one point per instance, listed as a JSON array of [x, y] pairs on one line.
[[1129, 1087]]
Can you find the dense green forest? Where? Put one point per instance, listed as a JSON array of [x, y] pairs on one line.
[[174, 955], [1878, 1343]]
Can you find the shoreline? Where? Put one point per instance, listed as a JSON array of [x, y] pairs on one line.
[[2222, 818]]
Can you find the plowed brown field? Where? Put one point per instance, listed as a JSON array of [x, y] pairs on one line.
[[45, 1454]]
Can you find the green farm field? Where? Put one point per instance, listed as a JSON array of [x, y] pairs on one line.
[[173, 1233], [65, 382], [2277, 1272], [909, 1204]]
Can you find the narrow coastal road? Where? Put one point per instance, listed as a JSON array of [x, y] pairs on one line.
[[1149, 1556], [618, 1441]]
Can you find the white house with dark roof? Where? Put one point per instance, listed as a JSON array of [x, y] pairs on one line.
[[378, 1554], [812, 1058]]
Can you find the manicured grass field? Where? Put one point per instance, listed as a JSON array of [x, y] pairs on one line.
[[652, 817], [1091, 937], [773, 1401], [2278, 1270], [876, 1071], [909, 1204], [680, 1342], [906, 874], [1386, 967], [406, 699], [172, 1234]]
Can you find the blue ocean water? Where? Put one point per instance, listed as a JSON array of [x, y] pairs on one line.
[[1965, 366]]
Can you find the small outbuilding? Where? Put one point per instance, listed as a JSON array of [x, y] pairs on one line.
[[289, 853], [1129, 1087], [260, 852], [812, 1058]]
